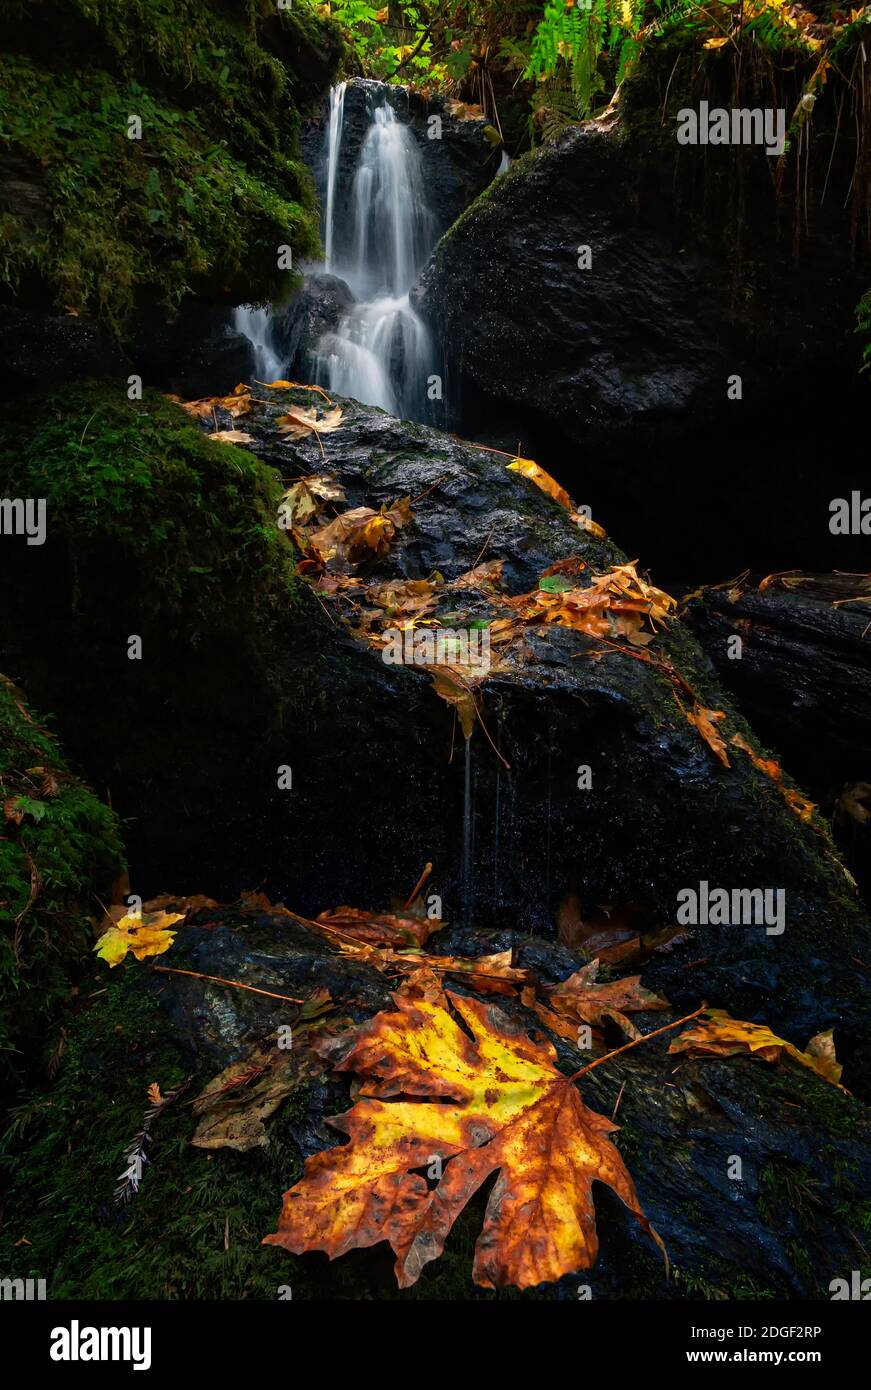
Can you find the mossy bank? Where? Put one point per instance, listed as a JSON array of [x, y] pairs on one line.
[[150, 151]]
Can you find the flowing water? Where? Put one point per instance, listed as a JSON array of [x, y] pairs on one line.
[[377, 240], [256, 325]]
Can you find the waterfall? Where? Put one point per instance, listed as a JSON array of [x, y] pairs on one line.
[[334, 144], [256, 325], [380, 351]]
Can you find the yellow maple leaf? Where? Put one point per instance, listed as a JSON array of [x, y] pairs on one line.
[[542, 479], [145, 935]]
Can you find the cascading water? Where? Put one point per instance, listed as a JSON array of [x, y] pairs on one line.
[[380, 351], [334, 140], [256, 325]]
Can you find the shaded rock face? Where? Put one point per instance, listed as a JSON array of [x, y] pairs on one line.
[[316, 309], [193, 355], [456, 167], [803, 679], [616, 375], [682, 1122]]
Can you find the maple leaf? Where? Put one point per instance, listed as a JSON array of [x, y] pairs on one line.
[[231, 437], [717, 1034], [706, 721], [485, 1101], [493, 974], [299, 423], [360, 533], [236, 404], [455, 690], [379, 928], [530, 469], [584, 999], [488, 575], [144, 935]]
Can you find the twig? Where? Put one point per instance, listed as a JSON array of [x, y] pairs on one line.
[[217, 980], [427, 870], [645, 1037]]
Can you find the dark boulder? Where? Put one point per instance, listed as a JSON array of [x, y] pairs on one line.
[[231, 692], [617, 375], [316, 309], [803, 680]]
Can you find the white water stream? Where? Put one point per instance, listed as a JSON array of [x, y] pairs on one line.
[[380, 351]]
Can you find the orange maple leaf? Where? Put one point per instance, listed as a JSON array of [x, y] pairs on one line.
[[483, 1101]]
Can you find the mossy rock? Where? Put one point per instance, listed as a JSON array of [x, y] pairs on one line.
[[155, 532], [59, 854], [99, 216]]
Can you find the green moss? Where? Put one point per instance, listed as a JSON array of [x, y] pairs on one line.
[[96, 221], [147, 513], [56, 862]]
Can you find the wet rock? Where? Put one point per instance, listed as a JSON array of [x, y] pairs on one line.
[[616, 374], [315, 309], [383, 781], [803, 679], [725, 1155]]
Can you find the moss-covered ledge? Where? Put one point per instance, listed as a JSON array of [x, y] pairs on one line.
[[98, 215]]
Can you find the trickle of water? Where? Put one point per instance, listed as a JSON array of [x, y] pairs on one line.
[[334, 144], [467, 837], [256, 325]]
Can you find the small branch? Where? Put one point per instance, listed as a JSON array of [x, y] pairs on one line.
[[217, 980], [644, 1038], [427, 870]]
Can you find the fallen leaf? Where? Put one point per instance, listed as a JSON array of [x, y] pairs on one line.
[[360, 534], [492, 1102], [236, 404], [587, 1000], [380, 928], [530, 469], [706, 721], [449, 686], [231, 437], [717, 1034], [801, 805], [488, 575], [299, 423], [145, 935], [154, 1094]]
